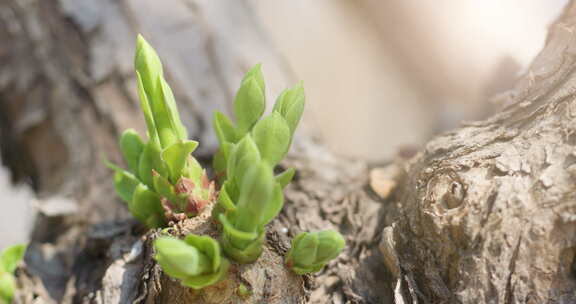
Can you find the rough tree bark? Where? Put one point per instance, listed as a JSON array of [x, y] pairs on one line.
[[485, 214]]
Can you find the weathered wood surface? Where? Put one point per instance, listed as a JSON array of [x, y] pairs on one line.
[[488, 212]]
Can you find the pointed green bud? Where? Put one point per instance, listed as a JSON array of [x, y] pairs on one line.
[[243, 156], [272, 136], [148, 65], [311, 251], [196, 261], [250, 100], [256, 73], [290, 104], [131, 146], [10, 257]]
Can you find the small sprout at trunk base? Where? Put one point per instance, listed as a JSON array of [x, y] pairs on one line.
[[311, 251], [196, 261]]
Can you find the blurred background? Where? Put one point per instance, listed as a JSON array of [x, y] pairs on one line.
[[380, 75]]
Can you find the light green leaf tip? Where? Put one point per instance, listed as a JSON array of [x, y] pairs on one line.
[[11, 256]]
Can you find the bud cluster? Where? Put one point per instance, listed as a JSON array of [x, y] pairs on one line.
[[164, 183]]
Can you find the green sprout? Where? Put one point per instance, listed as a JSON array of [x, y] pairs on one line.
[[196, 261], [311, 251], [163, 182], [251, 196], [9, 259]]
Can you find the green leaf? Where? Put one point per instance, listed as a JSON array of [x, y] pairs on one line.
[[243, 155], [311, 251], [272, 136], [10, 257], [170, 101], [201, 281], [224, 128], [178, 259], [176, 156], [249, 251], [150, 159], [250, 102], [125, 183], [235, 234], [285, 177], [164, 188], [330, 244], [146, 207], [196, 261], [7, 287], [207, 246], [193, 170], [164, 115], [256, 73], [148, 65], [147, 110], [290, 104], [304, 251], [131, 146], [224, 200], [255, 193], [274, 206]]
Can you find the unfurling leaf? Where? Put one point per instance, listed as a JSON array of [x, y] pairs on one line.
[[250, 100], [311, 251], [290, 104], [272, 136], [196, 261]]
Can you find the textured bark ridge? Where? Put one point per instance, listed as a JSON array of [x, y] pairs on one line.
[[488, 211]]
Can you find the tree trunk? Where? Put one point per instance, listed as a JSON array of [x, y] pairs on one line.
[[487, 213], [483, 214]]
